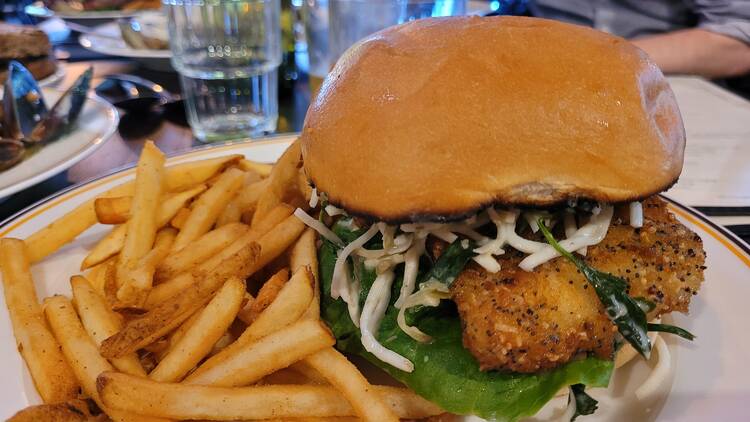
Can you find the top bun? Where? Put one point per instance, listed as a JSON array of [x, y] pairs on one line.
[[437, 118]]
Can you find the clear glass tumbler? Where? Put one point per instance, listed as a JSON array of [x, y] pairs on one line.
[[227, 53], [352, 20], [315, 16]]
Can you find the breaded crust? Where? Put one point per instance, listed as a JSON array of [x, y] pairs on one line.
[[527, 321]]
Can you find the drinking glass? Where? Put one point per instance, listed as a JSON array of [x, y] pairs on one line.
[[332, 26], [315, 17], [227, 53], [352, 20]]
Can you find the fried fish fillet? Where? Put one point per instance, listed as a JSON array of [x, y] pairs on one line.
[[528, 321]]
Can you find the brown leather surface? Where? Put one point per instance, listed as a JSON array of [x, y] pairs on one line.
[[439, 117]]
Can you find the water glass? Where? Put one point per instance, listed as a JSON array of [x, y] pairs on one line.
[[315, 17], [332, 26], [227, 53]]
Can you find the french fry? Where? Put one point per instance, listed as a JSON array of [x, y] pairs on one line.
[[262, 169], [311, 375], [180, 331], [198, 251], [112, 243], [285, 376], [274, 218], [179, 219], [269, 354], [187, 175], [161, 292], [80, 351], [207, 207], [230, 214], [204, 332], [305, 254], [142, 226], [144, 330], [97, 275], [244, 314], [246, 200], [182, 281], [268, 293], [272, 238], [180, 401], [110, 283], [139, 279], [63, 230], [168, 315], [324, 419], [158, 349], [100, 322], [304, 188], [343, 375], [53, 378], [283, 175], [114, 210], [276, 241], [222, 343], [290, 304], [251, 177]]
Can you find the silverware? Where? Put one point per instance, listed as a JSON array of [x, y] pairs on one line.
[[146, 104]]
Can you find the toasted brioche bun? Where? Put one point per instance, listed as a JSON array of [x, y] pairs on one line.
[[437, 118]]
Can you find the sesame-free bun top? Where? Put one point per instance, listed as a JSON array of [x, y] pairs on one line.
[[437, 118]]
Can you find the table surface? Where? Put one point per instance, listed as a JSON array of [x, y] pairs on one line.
[[118, 152]]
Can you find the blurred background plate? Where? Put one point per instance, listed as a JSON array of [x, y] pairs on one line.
[[98, 121], [53, 79], [107, 39], [92, 17]]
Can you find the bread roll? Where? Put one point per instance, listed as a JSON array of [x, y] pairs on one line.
[[437, 118]]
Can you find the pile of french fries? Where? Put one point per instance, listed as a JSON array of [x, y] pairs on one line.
[[162, 324]]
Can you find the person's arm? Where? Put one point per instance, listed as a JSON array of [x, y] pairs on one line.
[[697, 52]]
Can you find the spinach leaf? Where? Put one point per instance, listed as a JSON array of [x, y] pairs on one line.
[[323, 198], [445, 270], [623, 310], [671, 329], [344, 229], [585, 404], [445, 372], [451, 262]]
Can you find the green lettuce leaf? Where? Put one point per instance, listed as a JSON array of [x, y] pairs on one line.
[[446, 373]]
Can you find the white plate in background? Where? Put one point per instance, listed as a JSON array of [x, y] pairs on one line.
[[53, 79], [39, 10], [97, 122]]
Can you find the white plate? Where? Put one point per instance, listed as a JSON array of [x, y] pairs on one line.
[[97, 122], [712, 380], [40, 11], [107, 39]]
